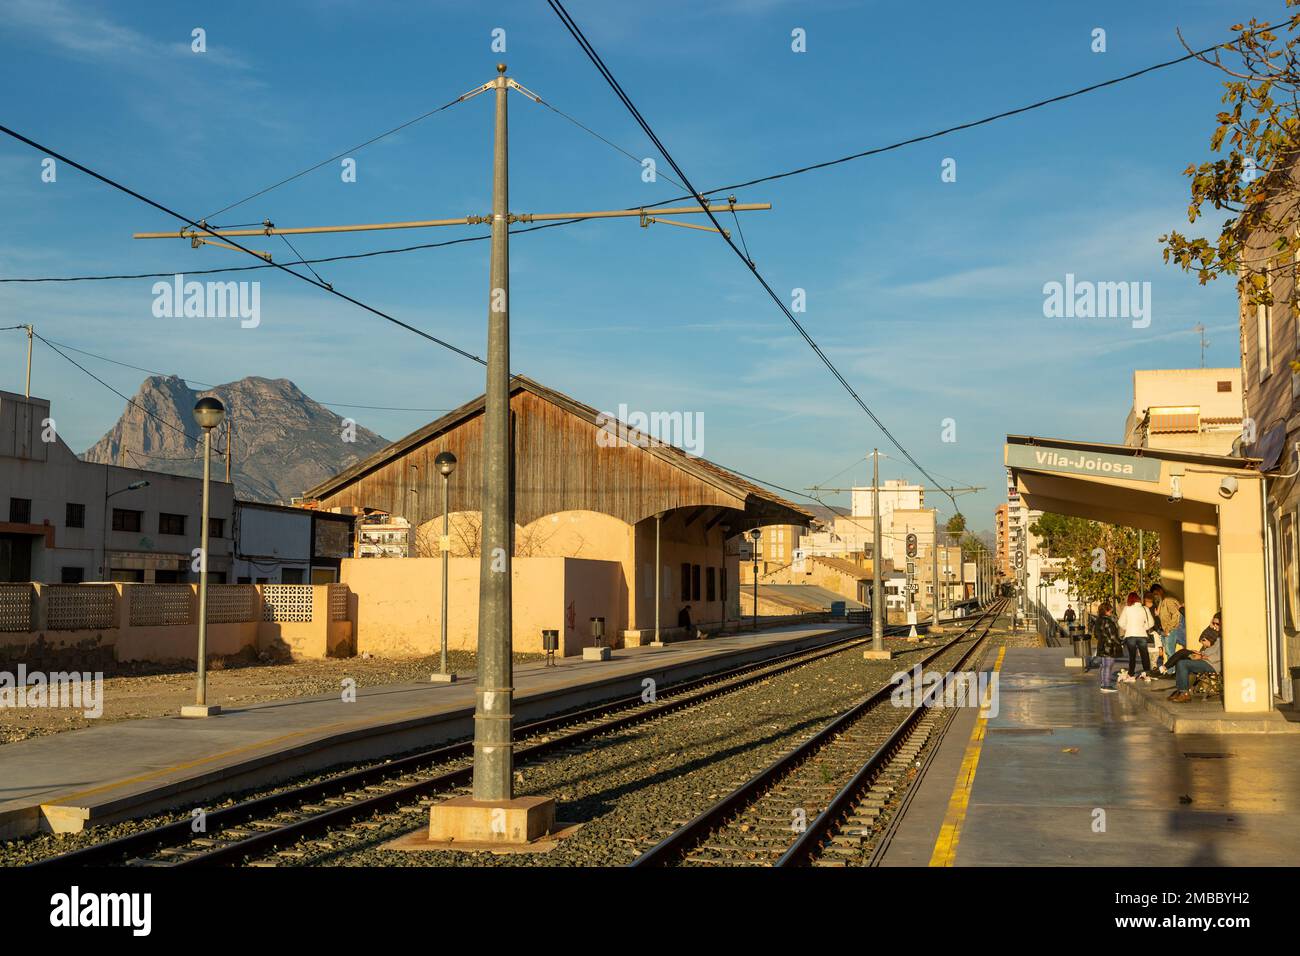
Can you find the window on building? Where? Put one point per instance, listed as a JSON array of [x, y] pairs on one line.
[[216, 527], [20, 510], [291, 575], [130, 575], [695, 582], [72, 575], [1225, 386], [168, 576], [125, 519], [686, 582], [171, 524], [710, 584], [244, 580], [74, 516], [1290, 572], [1264, 339]]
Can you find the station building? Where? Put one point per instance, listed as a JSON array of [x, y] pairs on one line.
[[610, 523], [1209, 511]]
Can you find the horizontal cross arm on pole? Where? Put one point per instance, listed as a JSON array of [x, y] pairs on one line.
[[269, 229]]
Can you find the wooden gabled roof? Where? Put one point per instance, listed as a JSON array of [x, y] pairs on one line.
[[731, 490]]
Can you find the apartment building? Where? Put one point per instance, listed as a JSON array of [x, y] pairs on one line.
[[1185, 409], [1270, 410], [68, 520]]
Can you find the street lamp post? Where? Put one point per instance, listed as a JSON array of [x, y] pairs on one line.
[[754, 535], [208, 412], [446, 464]]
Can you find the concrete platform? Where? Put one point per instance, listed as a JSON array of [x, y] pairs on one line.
[[1064, 775], [121, 770], [1202, 716]]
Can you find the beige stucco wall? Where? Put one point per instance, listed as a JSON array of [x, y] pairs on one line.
[[1221, 552], [398, 603]]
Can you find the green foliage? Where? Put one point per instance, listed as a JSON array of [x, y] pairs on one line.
[[956, 524], [1260, 129], [1100, 560]]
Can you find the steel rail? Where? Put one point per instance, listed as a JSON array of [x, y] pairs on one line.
[[686, 837], [683, 694], [811, 841]]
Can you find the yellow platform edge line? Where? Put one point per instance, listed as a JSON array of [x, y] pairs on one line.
[[945, 847]]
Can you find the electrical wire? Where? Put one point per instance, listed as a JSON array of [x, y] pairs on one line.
[[1039, 104], [708, 192], [230, 241], [209, 385], [324, 162], [129, 401], [301, 262], [587, 48]]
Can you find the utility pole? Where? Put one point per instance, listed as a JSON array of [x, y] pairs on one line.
[[1142, 558], [934, 567], [877, 589], [477, 819], [493, 746], [30, 333]]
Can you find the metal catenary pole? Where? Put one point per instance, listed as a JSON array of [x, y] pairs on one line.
[[30, 332], [934, 567], [493, 746], [877, 589]]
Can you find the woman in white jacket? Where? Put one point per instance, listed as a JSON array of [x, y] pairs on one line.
[[1135, 621]]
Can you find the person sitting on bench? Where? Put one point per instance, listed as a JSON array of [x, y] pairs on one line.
[[1208, 661]]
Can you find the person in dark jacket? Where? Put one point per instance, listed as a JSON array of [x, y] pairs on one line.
[[1105, 632]]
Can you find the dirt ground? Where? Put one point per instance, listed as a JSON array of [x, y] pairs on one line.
[[163, 692]]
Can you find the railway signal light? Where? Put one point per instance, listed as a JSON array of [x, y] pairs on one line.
[[911, 545]]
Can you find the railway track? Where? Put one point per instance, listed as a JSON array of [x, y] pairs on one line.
[[343, 806], [820, 802]]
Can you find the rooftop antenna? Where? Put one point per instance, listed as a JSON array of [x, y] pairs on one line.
[[1199, 329]]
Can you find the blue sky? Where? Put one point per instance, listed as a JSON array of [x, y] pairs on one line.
[[927, 295]]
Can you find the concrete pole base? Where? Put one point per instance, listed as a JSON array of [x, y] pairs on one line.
[[505, 822], [595, 653], [200, 710], [885, 655], [436, 678]]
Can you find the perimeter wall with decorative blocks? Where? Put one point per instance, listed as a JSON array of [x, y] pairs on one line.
[[91, 625]]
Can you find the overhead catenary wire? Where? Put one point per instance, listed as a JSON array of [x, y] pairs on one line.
[[596, 60], [302, 262], [127, 399], [336, 156], [812, 167], [984, 121], [14, 134], [210, 385]]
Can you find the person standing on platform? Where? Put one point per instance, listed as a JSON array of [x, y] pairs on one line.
[[1106, 634], [1135, 621]]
